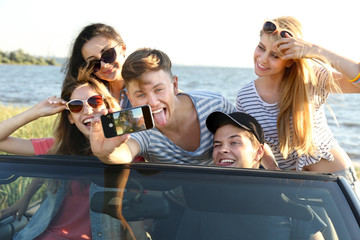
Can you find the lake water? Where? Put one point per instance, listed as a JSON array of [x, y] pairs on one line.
[[27, 85]]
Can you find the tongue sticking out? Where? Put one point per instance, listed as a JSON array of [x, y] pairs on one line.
[[160, 118]]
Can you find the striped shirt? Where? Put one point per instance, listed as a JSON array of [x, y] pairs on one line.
[[157, 148], [249, 101]]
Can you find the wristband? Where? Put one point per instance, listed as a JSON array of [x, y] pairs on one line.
[[356, 79]]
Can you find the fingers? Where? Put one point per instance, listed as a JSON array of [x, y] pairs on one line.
[[123, 138], [95, 126], [101, 146], [50, 106], [9, 212], [294, 48], [97, 134], [56, 104], [95, 123], [56, 100], [288, 48]]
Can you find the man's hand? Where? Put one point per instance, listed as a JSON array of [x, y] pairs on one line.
[[109, 150]]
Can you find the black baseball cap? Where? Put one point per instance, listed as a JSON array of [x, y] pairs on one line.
[[239, 119]]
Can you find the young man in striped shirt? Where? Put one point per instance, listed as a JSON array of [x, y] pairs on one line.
[[180, 135]]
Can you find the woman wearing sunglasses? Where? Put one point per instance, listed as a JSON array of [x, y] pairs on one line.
[[100, 48], [294, 81], [80, 101]]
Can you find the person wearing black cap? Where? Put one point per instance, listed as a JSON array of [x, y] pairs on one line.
[[238, 139], [239, 142]]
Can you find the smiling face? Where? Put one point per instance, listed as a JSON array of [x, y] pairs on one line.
[[93, 49], [158, 90], [83, 119], [267, 59], [233, 148]]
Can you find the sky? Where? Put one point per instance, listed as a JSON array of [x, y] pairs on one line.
[[192, 32]]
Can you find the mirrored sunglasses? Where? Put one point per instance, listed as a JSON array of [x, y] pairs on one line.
[[108, 56], [270, 28], [76, 105]]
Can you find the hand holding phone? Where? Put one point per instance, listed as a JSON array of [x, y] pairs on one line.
[[127, 121]]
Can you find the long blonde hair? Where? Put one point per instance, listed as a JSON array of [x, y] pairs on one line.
[[296, 104]]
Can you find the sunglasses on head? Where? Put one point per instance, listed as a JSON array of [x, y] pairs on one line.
[[76, 105], [108, 56], [270, 28]]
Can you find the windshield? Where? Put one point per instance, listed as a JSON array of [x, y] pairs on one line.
[[138, 202]]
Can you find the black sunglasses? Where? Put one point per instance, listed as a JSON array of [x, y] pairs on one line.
[[270, 28], [108, 56], [76, 105]]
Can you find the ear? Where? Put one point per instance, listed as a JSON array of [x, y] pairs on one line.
[[175, 84], [71, 120], [289, 63], [259, 154]]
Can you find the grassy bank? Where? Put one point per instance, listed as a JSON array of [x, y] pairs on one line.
[[43, 127]]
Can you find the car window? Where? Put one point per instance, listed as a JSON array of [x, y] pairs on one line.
[[149, 201]]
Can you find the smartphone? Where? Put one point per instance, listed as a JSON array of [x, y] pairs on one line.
[[127, 121]]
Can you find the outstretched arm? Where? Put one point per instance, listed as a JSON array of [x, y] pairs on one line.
[[115, 150], [21, 146], [295, 48]]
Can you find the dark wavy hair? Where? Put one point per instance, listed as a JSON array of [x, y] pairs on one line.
[[75, 60]]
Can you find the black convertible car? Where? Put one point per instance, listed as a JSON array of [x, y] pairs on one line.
[[158, 201]]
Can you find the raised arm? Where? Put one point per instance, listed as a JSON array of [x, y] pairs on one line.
[[115, 150], [295, 48], [21, 146]]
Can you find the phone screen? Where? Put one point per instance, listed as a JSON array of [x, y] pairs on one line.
[[127, 121]]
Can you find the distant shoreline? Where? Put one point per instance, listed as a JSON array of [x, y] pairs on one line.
[[26, 64], [19, 57]]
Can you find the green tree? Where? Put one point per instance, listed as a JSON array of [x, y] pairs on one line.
[[20, 57]]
